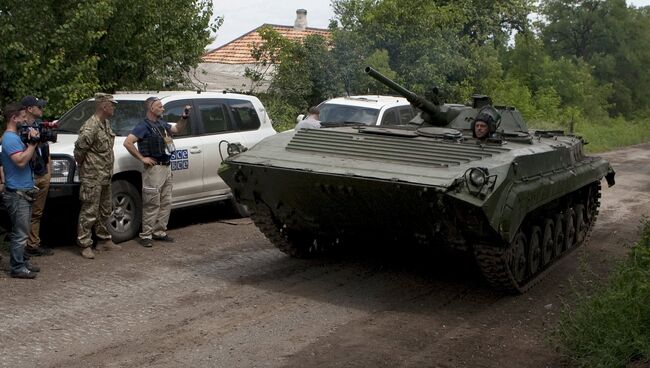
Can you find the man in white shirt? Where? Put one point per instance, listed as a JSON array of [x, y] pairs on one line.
[[311, 121]]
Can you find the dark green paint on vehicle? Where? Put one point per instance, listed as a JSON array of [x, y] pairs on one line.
[[519, 201]]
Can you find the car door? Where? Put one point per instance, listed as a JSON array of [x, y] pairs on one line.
[[216, 130], [187, 161]]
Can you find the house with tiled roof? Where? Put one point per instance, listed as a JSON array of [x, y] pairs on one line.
[[224, 66]]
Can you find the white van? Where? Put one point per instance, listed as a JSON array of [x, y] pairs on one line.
[[216, 119]]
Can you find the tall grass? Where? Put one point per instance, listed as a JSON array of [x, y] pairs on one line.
[[606, 135], [610, 327], [614, 134]]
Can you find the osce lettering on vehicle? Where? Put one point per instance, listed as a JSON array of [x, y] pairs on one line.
[[180, 160]]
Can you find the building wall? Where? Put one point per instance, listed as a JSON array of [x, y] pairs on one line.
[[217, 76]]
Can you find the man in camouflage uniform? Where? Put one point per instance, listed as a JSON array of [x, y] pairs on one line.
[[93, 151]]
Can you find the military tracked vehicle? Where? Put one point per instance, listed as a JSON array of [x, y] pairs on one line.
[[518, 200]]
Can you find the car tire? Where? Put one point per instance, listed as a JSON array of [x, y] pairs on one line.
[[126, 218]]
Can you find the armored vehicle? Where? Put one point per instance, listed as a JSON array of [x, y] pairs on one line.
[[518, 200]]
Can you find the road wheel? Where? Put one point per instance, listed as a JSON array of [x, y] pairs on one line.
[[124, 223], [570, 229], [548, 244], [534, 249], [517, 257], [558, 238], [581, 224]]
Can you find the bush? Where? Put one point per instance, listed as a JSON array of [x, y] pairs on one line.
[[610, 327], [281, 111]]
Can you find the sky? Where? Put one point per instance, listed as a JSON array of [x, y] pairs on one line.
[[242, 16]]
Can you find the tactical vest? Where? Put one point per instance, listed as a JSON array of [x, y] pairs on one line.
[[153, 145]]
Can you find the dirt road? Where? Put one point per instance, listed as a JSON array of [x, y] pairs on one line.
[[223, 296]]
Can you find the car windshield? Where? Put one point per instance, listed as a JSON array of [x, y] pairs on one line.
[[127, 115], [333, 113]]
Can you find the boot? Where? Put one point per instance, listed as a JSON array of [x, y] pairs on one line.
[[87, 253], [104, 245]]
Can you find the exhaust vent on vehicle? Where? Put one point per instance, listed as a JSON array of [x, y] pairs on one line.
[[425, 152]]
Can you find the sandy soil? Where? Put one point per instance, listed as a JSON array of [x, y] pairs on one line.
[[223, 296]]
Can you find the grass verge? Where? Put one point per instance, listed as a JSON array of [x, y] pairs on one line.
[[610, 326], [607, 135]]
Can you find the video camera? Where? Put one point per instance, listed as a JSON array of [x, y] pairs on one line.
[[45, 129]]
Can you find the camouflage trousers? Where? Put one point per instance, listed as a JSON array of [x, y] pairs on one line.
[[94, 214], [156, 200]]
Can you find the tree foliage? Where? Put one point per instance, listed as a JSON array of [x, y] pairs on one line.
[[611, 37], [65, 50], [302, 73], [581, 60]]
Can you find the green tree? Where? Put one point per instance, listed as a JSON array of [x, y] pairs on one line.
[[65, 50], [165, 39], [570, 79], [267, 56], [610, 36], [45, 54], [302, 74], [349, 52], [436, 42]]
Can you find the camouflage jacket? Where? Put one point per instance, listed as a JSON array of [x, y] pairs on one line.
[[93, 151]]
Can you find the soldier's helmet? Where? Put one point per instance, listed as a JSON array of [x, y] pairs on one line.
[[490, 116]]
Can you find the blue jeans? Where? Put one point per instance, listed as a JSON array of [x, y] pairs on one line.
[[20, 213]]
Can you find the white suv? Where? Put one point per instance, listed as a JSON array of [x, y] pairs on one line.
[[216, 119], [370, 110]]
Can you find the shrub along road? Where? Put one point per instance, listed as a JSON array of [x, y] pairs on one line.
[[223, 296]]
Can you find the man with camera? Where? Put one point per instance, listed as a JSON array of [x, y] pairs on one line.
[[40, 165], [155, 147], [19, 143], [93, 152]]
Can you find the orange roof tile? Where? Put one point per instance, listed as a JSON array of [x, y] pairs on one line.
[[238, 51]]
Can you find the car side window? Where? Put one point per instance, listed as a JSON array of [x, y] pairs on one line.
[[390, 117], [245, 114], [173, 113], [406, 113], [214, 116], [126, 116]]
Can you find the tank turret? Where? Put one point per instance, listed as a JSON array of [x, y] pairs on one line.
[[434, 112]]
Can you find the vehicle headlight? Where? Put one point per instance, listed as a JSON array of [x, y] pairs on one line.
[[63, 170], [479, 182], [477, 177]]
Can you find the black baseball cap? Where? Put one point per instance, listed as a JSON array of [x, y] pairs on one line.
[[29, 101]]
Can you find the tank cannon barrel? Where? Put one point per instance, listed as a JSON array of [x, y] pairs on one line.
[[416, 100]]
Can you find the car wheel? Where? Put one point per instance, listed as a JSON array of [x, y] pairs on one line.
[[124, 223]]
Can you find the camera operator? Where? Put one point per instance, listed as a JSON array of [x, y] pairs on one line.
[[40, 165], [19, 188]]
